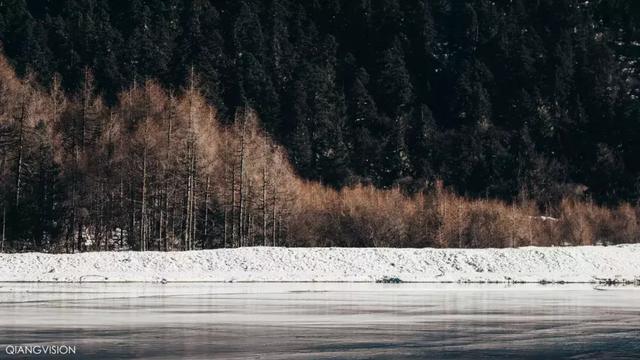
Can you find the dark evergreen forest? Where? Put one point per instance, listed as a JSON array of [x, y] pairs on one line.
[[497, 99]]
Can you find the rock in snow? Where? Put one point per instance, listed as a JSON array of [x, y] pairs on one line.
[[528, 264]]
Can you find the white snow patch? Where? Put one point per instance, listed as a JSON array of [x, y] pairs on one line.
[[261, 264]]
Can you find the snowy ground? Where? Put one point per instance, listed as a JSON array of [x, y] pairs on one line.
[[261, 264]]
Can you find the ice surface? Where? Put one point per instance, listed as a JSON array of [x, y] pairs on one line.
[[323, 320]]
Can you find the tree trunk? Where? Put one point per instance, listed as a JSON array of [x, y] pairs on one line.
[[233, 204], [264, 196], [121, 212], [19, 160], [225, 228], [241, 210], [4, 226], [143, 244], [132, 219], [189, 229], [273, 238], [205, 236], [193, 210], [79, 240], [166, 182], [74, 216]]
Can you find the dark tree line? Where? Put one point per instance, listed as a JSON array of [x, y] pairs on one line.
[[496, 98]]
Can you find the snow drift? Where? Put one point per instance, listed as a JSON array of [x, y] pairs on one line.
[[529, 264]]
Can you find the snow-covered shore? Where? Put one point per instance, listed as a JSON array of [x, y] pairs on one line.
[[261, 264]]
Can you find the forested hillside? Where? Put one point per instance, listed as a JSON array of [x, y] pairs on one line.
[[495, 98], [158, 170], [180, 125]]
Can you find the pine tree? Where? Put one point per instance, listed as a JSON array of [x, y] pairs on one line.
[[200, 47], [296, 125], [363, 123], [393, 82], [422, 142], [327, 119]]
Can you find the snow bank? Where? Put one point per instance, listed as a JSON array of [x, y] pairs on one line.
[[529, 264]]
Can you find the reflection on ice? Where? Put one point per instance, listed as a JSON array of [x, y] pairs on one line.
[[322, 320]]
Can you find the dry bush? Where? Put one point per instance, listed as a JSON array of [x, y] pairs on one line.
[[484, 228], [480, 223], [624, 224], [370, 217], [583, 223], [545, 231], [355, 217], [365, 216], [310, 218], [424, 228], [576, 223]]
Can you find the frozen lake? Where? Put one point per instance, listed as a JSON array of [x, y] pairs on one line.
[[322, 320]]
